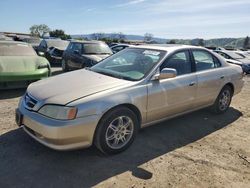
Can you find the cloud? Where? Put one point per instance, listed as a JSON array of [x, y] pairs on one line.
[[133, 2]]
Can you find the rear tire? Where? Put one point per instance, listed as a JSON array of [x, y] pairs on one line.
[[116, 131], [223, 100]]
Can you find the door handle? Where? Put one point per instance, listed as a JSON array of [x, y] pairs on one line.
[[192, 84], [222, 77]]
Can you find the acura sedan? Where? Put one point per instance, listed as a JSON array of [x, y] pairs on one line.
[[107, 104]]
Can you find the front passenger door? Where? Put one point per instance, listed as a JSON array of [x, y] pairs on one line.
[[172, 96]]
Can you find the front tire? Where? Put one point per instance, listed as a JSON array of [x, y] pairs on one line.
[[116, 131], [223, 100], [65, 67]]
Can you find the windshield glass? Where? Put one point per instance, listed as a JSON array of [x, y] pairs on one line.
[[61, 44], [96, 48], [16, 50], [130, 64], [32, 40], [235, 55]]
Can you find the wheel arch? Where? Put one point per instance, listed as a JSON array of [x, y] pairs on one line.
[[230, 85]]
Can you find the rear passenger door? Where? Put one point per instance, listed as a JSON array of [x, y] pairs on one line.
[[210, 77]]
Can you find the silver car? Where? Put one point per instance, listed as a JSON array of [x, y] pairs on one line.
[[107, 104]]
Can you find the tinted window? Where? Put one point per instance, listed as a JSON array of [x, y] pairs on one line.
[[179, 61], [77, 47], [204, 60]]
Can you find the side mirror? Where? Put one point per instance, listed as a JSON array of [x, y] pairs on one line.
[[165, 74]]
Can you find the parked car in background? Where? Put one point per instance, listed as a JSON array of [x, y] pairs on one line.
[[52, 49], [235, 58], [33, 41], [112, 44], [107, 104], [3, 37], [20, 65], [80, 54], [119, 47]]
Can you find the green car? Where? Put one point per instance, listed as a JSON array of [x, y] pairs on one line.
[[20, 65]]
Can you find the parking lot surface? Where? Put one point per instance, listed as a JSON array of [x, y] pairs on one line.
[[196, 150]]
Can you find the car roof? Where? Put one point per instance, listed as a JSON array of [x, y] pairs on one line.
[[87, 42], [168, 47], [13, 42]]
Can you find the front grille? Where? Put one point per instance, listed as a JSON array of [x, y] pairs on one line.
[[30, 102]]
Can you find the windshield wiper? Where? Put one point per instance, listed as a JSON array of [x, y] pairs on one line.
[[116, 75]]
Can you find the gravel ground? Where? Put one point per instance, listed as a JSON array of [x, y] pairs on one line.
[[195, 150]]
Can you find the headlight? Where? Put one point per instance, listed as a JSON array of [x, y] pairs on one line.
[[59, 112], [43, 66]]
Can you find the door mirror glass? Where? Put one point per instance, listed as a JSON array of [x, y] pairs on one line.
[[167, 73]]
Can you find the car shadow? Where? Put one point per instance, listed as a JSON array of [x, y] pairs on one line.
[[11, 93], [26, 163]]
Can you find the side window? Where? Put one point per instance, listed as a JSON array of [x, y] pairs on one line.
[[204, 60], [179, 61]]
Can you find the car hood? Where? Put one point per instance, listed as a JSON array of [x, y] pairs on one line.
[[95, 58], [245, 61], [20, 63], [65, 88]]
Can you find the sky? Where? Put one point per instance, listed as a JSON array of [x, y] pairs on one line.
[[163, 18]]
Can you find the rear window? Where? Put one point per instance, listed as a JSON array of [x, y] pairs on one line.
[[16, 50]]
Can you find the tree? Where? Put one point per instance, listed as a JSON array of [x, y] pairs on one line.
[[246, 43], [97, 36], [171, 42], [58, 33], [148, 37], [39, 30]]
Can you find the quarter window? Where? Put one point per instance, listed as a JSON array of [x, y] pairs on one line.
[[180, 62], [204, 60]]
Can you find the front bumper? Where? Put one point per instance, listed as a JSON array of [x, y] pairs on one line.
[[58, 134], [21, 79]]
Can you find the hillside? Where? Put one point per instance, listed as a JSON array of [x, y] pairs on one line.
[[235, 42]]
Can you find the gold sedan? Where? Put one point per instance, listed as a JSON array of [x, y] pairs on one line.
[[107, 104]]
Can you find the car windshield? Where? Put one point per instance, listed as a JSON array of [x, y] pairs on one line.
[[96, 48], [235, 55], [61, 44], [32, 40], [16, 50], [130, 64]]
